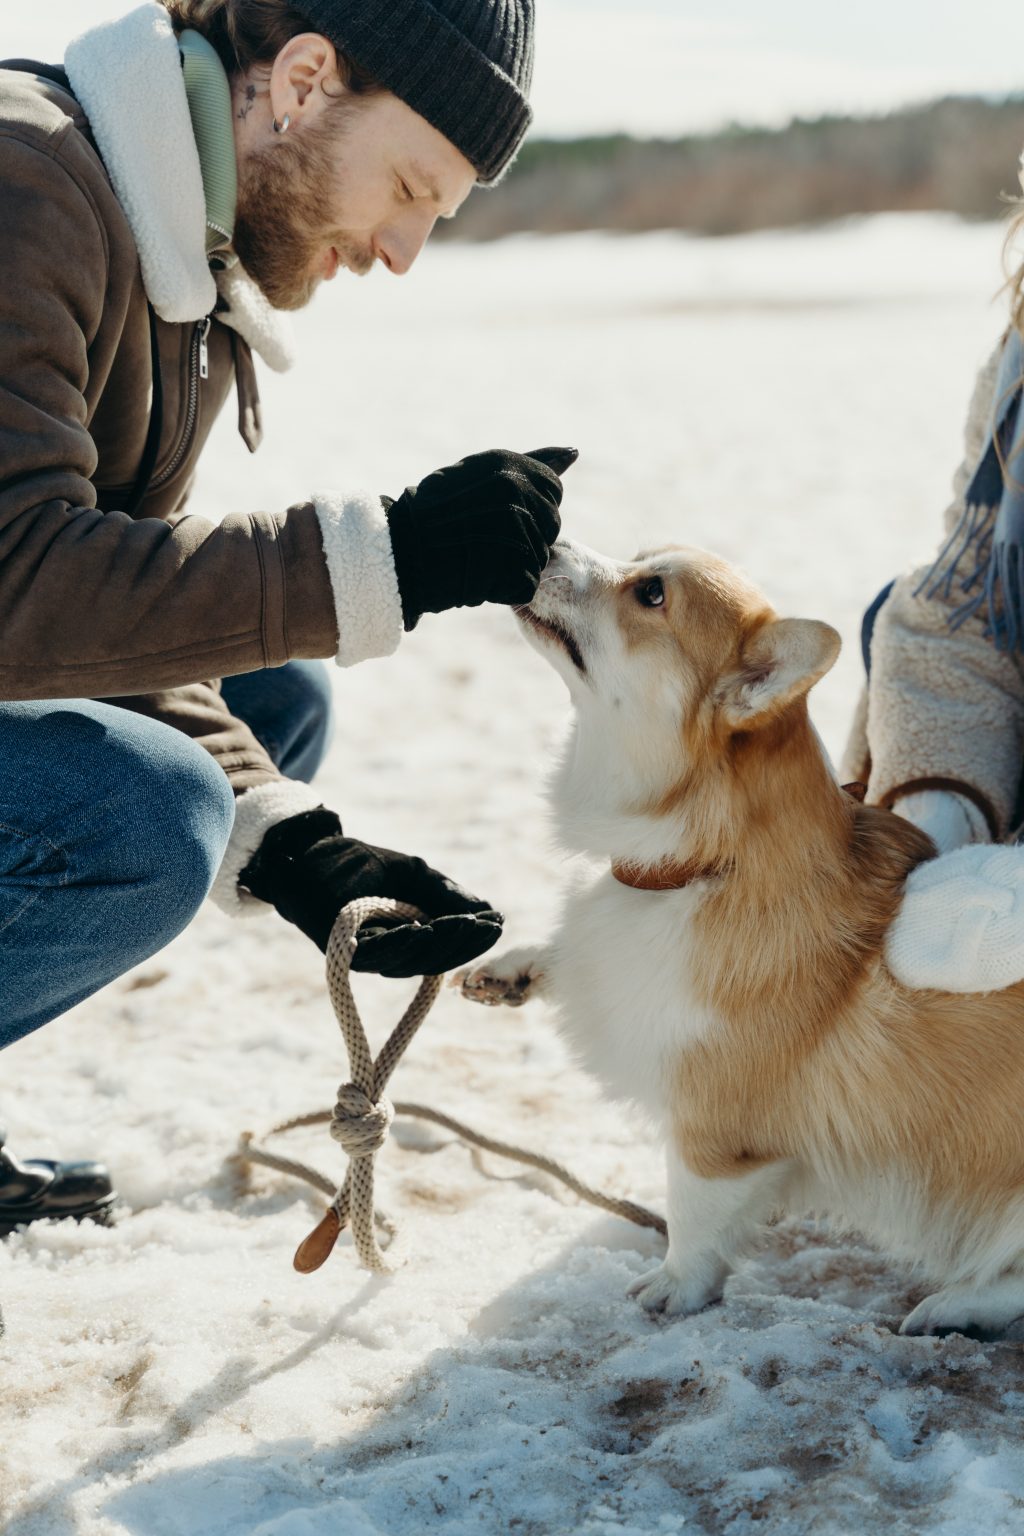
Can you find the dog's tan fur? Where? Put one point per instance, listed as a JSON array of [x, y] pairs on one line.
[[901, 1111], [823, 1055]]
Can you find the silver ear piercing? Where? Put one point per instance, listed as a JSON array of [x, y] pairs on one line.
[[282, 127]]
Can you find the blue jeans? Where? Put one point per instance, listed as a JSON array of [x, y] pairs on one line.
[[112, 828]]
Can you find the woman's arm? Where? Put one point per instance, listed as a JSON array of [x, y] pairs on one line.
[[945, 707]]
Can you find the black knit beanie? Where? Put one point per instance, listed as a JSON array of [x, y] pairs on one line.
[[464, 65]]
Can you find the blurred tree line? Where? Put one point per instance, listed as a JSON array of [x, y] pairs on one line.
[[959, 155]]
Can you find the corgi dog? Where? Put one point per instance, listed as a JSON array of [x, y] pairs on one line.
[[720, 961]]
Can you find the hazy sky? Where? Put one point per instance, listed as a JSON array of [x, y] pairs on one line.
[[664, 66], [660, 65]]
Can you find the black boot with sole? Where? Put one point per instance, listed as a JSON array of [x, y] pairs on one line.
[[40, 1190]]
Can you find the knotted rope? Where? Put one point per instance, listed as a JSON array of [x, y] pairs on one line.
[[361, 1119], [362, 1116]]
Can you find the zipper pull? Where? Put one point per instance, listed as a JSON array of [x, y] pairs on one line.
[[204, 351]]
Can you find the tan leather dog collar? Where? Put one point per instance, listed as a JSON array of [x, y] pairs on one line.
[[667, 876]]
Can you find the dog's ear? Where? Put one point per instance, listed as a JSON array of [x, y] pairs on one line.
[[782, 661]]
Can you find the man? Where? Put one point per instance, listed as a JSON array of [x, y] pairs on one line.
[[197, 167]]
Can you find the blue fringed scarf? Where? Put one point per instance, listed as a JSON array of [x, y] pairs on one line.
[[994, 545]]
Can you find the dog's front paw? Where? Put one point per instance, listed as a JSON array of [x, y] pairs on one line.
[[979, 1311], [511, 979], [674, 1294]]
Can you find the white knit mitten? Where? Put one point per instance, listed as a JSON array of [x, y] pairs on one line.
[[961, 926]]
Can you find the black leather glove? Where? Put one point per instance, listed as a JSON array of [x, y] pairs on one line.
[[309, 870], [480, 531]]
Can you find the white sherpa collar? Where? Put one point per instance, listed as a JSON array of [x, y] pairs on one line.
[[127, 76]]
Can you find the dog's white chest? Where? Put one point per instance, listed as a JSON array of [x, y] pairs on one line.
[[621, 982]]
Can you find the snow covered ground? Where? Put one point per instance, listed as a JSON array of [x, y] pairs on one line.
[[794, 402]]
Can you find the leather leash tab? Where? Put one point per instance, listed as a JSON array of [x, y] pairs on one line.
[[317, 1248]]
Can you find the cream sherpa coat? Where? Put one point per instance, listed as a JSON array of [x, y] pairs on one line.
[[945, 710]]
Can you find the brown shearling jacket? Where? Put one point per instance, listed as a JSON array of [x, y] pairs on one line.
[[94, 603]]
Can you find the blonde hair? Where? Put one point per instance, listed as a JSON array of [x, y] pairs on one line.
[[1013, 263], [251, 33]]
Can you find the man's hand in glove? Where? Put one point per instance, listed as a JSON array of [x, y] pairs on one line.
[[479, 531], [309, 870]]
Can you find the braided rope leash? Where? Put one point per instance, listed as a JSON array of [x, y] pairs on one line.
[[362, 1116], [361, 1119]]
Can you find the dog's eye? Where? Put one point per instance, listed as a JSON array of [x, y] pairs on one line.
[[651, 594]]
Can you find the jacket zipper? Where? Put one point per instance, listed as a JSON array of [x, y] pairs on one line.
[[198, 368]]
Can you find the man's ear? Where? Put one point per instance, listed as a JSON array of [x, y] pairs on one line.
[[781, 663]]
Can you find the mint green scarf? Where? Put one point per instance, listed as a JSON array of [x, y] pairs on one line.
[[209, 104]]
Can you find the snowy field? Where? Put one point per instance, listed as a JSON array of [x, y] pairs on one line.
[[795, 403]]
